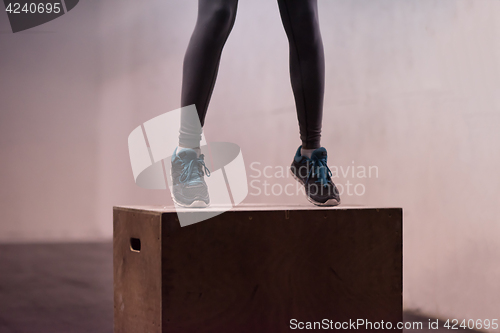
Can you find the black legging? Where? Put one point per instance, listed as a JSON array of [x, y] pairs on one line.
[[307, 63]]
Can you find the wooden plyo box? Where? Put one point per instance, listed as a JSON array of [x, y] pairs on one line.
[[257, 269]]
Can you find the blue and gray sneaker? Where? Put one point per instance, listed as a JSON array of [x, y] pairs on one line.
[[189, 187], [315, 175]]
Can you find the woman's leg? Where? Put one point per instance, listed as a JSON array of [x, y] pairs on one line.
[[201, 63], [307, 66]]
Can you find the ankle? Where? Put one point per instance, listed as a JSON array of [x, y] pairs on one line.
[[196, 149], [306, 152]]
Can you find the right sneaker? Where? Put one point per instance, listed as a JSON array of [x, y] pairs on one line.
[[315, 175], [189, 188]]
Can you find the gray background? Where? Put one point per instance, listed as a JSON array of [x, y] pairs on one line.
[[412, 88]]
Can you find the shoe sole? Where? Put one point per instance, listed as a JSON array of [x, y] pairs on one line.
[[331, 202], [194, 204]]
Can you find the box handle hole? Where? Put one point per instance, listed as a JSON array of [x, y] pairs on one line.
[[135, 244]]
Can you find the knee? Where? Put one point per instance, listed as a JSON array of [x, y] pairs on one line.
[[220, 17], [303, 19], [308, 37], [308, 24]]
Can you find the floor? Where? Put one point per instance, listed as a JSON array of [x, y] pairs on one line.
[[68, 288]]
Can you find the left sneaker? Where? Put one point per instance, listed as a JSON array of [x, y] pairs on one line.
[[189, 188], [315, 175]]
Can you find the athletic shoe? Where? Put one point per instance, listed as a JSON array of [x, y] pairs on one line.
[[189, 187], [315, 175]]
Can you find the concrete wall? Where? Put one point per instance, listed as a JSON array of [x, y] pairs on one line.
[[411, 90]]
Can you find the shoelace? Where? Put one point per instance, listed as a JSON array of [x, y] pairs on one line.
[[191, 167], [319, 167]]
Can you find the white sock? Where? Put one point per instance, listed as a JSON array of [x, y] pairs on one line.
[[306, 152], [196, 149]]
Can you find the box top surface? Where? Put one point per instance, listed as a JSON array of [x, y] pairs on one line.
[[245, 207]]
